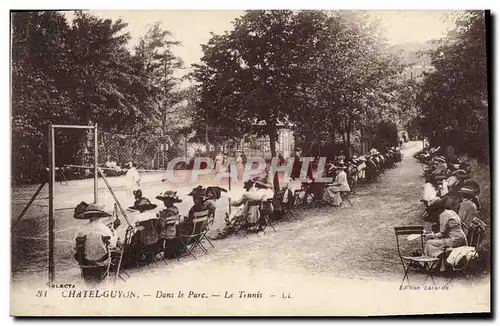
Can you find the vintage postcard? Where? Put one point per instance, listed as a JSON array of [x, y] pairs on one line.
[[250, 163]]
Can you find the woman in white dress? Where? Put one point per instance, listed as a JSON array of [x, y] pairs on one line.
[[239, 165], [332, 193], [132, 179]]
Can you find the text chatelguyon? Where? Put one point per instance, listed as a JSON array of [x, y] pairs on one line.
[[253, 167]]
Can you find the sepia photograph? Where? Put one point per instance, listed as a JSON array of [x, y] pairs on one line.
[[250, 162]]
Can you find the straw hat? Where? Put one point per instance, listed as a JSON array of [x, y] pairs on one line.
[[461, 174], [340, 165], [169, 194], [262, 183], [198, 192], [143, 204], [467, 191], [93, 210]]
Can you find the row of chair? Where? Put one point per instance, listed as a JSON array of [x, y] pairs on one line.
[[418, 259]]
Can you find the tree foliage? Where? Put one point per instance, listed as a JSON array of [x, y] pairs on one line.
[[81, 72], [454, 97], [310, 70]]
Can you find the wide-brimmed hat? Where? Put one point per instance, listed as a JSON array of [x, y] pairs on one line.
[[198, 192], [169, 194], [467, 191], [143, 204], [93, 210], [462, 174], [440, 159], [262, 182], [340, 165]]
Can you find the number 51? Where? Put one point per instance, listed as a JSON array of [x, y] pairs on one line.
[[41, 293]]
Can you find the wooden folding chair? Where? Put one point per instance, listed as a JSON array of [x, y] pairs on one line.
[[266, 217], [297, 201], [149, 239], [309, 197], [425, 213], [345, 197], [475, 235], [210, 222], [194, 240], [429, 263], [86, 265], [288, 214]]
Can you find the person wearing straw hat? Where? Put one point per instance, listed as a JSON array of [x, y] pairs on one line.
[[244, 212], [99, 221], [169, 214], [456, 180], [141, 203], [200, 204], [332, 192], [92, 241], [469, 205], [169, 219], [450, 235]]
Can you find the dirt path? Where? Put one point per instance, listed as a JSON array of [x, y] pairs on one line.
[[344, 242], [340, 261]]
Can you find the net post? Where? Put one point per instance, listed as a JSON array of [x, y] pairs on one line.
[[96, 160], [51, 159]]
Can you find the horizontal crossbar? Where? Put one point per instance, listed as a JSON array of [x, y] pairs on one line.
[[73, 127]]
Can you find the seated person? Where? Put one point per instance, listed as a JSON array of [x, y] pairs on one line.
[[168, 221], [453, 198], [332, 192], [245, 213], [361, 167], [371, 168], [456, 181], [441, 167], [213, 194], [468, 208], [93, 240], [200, 204], [251, 203], [429, 194], [450, 235], [141, 203]]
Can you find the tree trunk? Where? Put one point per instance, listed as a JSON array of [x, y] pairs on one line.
[[342, 128], [362, 140], [348, 144], [272, 144]]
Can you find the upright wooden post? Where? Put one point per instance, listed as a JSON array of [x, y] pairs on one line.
[[52, 163], [96, 162], [229, 167]]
